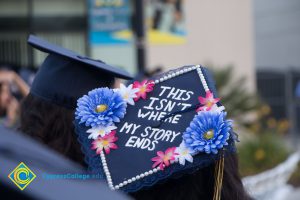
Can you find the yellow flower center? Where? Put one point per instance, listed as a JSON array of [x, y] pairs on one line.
[[126, 96], [209, 104], [166, 158], [143, 89], [101, 132], [105, 143], [209, 134], [101, 108], [185, 152]]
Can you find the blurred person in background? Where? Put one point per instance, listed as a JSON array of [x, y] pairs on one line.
[[45, 163], [166, 15], [12, 89]]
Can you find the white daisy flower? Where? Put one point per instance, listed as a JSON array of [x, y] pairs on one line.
[[100, 131], [128, 93], [217, 109], [183, 153]]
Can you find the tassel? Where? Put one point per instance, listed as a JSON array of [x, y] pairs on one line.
[[219, 168]]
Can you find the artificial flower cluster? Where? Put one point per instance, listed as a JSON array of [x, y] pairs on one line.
[[103, 107], [208, 132]]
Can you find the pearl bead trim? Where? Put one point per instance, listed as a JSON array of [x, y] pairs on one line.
[[106, 171], [109, 179], [142, 175], [183, 71]]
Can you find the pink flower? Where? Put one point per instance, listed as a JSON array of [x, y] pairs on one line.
[[207, 102], [144, 87], [163, 159], [106, 142]]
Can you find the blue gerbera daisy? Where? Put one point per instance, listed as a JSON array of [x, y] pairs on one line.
[[208, 132], [101, 107]]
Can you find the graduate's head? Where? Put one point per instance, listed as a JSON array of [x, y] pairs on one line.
[[62, 78]]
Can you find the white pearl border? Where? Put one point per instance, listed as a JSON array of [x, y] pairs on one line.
[[162, 79], [183, 71], [108, 176], [142, 175], [106, 171]]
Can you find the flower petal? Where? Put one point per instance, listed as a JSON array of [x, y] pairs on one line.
[[203, 122]]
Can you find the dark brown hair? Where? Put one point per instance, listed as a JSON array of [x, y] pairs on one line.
[[199, 185], [51, 125]]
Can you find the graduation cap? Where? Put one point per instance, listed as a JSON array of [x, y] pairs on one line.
[[65, 75], [144, 133]]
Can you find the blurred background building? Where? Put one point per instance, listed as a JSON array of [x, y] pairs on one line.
[[220, 33], [259, 38], [61, 21], [277, 48]]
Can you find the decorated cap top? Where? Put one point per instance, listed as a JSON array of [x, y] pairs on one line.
[[143, 133]]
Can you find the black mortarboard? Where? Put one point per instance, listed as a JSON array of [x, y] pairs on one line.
[[65, 75], [154, 130]]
